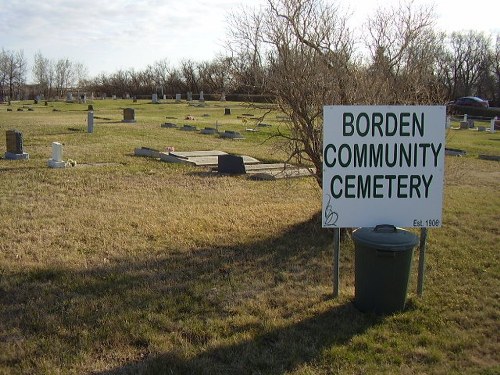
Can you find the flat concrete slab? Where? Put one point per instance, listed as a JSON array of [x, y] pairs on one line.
[[200, 158]]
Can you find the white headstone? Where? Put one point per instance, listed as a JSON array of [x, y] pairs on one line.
[[202, 98], [164, 97], [57, 151], [154, 98], [177, 97], [492, 124], [56, 161], [69, 97]]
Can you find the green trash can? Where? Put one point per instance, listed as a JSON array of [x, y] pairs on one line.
[[383, 256]]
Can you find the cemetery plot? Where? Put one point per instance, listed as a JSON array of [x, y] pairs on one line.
[[200, 158]]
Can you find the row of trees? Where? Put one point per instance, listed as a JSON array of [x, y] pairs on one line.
[[398, 58]]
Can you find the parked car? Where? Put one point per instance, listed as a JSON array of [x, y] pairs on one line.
[[471, 101]]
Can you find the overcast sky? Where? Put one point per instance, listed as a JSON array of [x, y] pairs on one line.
[[107, 35]]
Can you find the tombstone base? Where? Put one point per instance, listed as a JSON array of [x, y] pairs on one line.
[[56, 164], [12, 156]]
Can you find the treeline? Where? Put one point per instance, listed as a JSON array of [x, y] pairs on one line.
[[435, 67]]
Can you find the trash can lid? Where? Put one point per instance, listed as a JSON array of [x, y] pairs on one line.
[[385, 237]]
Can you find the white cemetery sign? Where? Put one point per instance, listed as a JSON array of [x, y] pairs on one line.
[[383, 165]]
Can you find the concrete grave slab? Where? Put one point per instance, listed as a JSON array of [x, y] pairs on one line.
[[148, 152]]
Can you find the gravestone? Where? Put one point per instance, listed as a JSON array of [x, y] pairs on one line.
[[113, 97], [231, 134], [57, 156], [164, 97], [154, 98], [493, 124], [168, 125], [189, 96], [209, 131], [227, 111], [177, 97], [69, 97], [14, 140], [230, 164], [129, 115], [90, 122], [189, 128], [202, 98], [127, 96]]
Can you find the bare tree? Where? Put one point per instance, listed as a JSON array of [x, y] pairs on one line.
[[190, 75], [469, 60], [306, 48], [404, 50], [13, 70], [496, 70], [215, 75]]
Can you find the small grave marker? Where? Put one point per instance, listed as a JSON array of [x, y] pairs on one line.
[[209, 131], [57, 156], [177, 97], [189, 128], [230, 164], [14, 140], [231, 134], [129, 115], [90, 122], [202, 98], [154, 98], [168, 125]]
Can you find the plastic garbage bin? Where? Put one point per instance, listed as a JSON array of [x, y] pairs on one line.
[[383, 256]]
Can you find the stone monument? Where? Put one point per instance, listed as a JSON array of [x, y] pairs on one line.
[[129, 115], [15, 149], [57, 156], [90, 121]]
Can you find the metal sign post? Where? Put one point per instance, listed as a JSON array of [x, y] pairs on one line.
[[336, 262], [421, 261]]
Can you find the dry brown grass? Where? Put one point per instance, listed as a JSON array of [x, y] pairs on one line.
[[148, 267]]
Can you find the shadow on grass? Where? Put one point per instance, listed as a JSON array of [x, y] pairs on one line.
[[190, 299], [275, 352]]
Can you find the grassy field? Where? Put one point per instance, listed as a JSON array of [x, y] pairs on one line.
[[140, 266]]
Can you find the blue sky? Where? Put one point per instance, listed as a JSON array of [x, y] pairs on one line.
[[107, 35]]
